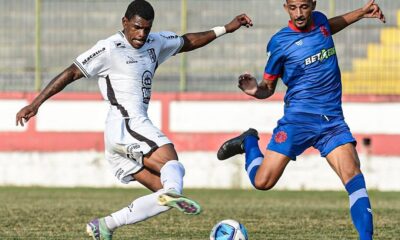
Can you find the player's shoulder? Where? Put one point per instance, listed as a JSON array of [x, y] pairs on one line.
[[163, 35], [114, 41], [111, 42], [319, 17], [279, 37], [317, 14]]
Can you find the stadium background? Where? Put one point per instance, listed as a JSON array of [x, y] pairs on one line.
[[195, 98]]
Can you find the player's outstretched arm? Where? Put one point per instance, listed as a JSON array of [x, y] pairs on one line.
[[370, 10], [69, 75], [200, 39], [264, 89]]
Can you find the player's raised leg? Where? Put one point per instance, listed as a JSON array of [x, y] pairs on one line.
[[236, 145], [164, 177], [247, 142], [140, 209], [263, 172], [345, 162]]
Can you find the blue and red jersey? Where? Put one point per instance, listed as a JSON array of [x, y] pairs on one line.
[[307, 63]]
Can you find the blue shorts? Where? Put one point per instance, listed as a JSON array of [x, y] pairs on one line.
[[298, 131]]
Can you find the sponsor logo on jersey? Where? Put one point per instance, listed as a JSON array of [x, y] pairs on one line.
[[152, 55], [321, 56], [146, 94], [93, 55], [280, 137], [131, 60], [170, 36]]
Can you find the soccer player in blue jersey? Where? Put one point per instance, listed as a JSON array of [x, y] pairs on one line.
[[303, 55]]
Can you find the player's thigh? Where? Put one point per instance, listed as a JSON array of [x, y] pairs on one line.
[[344, 161], [334, 133], [127, 170], [149, 179], [156, 159], [140, 141], [271, 169], [122, 167]]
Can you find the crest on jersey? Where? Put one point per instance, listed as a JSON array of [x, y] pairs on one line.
[[280, 137], [152, 55], [146, 86], [147, 78], [324, 31]]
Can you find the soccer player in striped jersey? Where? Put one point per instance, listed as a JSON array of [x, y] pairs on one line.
[[303, 55], [125, 64]]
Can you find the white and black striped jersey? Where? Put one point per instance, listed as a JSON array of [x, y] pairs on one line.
[[124, 73]]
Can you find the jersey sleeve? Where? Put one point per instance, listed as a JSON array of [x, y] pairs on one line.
[[274, 66], [320, 19], [171, 44], [95, 61]]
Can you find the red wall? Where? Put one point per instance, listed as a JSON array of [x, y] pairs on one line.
[[33, 140]]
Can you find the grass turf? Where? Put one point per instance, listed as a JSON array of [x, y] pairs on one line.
[[62, 213]]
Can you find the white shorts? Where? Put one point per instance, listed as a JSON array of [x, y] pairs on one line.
[[127, 141]]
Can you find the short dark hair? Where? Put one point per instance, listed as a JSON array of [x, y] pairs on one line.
[[142, 8]]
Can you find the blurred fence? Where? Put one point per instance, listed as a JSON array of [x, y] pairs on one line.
[[40, 38]]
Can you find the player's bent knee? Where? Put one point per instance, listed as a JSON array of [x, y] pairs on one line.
[[263, 185]]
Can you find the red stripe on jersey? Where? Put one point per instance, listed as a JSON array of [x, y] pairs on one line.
[[271, 77]]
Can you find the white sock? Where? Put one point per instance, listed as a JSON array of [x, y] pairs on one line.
[[171, 175], [110, 222], [139, 210]]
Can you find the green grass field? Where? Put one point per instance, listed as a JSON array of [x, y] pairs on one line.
[[57, 213]]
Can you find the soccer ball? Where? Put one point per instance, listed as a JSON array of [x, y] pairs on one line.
[[229, 230]]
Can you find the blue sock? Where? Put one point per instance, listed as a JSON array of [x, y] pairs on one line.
[[360, 207], [254, 156]]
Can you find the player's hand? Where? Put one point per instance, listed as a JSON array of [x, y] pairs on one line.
[[372, 10], [25, 114], [237, 22], [248, 84]]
